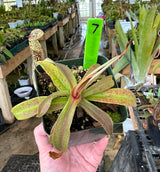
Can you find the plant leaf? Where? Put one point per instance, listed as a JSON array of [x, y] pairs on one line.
[[89, 79], [146, 106], [7, 52], [3, 59], [68, 73], [45, 104], [127, 80], [91, 69], [100, 86], [118, 96], [57, 104], [55, 155], [142, 17], [58, 77], [147, 37], [60, 132], [99, 115], [27, 108], [134, 37], [122, 40], [155, 67]]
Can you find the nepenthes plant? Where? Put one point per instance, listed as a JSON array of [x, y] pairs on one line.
[[93, 87]]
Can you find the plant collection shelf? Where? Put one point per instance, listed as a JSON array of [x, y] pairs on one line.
[[49, 33], [6, 69], [71, 16], [63, 22]]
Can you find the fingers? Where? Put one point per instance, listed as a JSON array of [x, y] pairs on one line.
[[41, 138]]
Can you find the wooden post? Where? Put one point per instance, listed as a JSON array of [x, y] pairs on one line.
[[73, 25], [66, 31], [54, 44], [61, 24], [76, 21], [70, 27], [61, 36], [5, 102], [44, 46], [78, 18]]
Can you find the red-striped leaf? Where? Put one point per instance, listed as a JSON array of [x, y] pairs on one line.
[[99, 115], [100, 86], [62, 80], [45, 104], [28, 108], [115, 96], [60, 132]]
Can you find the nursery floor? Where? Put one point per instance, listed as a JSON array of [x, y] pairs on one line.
[[19, 138]]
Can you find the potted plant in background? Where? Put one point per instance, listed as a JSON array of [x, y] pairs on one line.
[[146, 45], [112, 13], [61, 9], [3, 50], [93, 87]]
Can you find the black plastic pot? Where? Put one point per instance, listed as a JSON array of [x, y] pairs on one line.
[[61, 17], [17, 48], [94, 134], [111, 24], [53, 23]]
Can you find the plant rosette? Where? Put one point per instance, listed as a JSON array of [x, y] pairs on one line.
[[91, 130], [93, 87]]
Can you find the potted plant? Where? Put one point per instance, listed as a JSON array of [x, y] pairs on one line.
[[3, 50], [142, 52], [93, 87], [61, 9], [112, 13]]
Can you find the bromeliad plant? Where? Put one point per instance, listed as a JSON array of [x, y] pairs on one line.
[[94, 86], [145, 45]]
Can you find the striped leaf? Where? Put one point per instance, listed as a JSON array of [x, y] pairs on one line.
[[118, 96], [28, 108], [61, 76], [99, 115]]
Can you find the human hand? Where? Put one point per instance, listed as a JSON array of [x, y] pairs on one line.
[[81, 158]]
